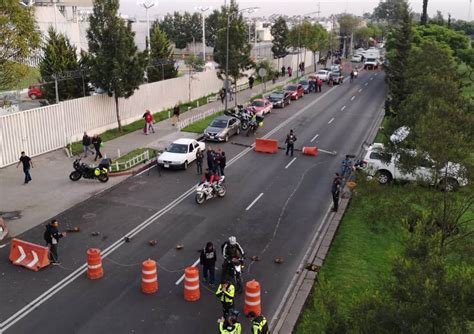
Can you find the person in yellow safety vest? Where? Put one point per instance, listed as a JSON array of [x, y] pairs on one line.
[[226, 292], [230, 326], [259, 323]]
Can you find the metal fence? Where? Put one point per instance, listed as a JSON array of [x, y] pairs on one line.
[[120, 166], [188, 121]]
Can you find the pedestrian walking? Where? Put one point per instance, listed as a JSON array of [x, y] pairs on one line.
[[222, 162], [259, 323], [208, 260], [86, 143], [176, 112], [283, 69], [230, 325], [222, 95], [27, 165], [148, 116], [312, 86], [97, 142], [231, 97], [251, 81], [290, 71], [199, 159], [352, 75], [319, 83], [336, 190], [226, 293], [290, 142], [52, 236]]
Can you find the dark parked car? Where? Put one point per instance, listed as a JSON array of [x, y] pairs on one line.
[[296, 91], [279, 99], [306, 86], [222, 128]]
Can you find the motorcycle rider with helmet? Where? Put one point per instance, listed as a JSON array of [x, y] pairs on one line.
[[231, 249]]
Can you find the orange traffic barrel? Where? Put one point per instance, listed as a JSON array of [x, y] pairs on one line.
[[252, 298], [310, 151], [149, 276], [94, 264], [191, 284]]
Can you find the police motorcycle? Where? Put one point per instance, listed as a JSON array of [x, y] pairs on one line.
[[206, 190], [254, 124], [242, 114], [81, 169]]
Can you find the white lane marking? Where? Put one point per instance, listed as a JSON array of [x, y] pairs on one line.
[[366, 84], [146, 170], [254, 201], [342, 109], [289, 164], [330, 121], [352, 98], [314, 138], [1, 246], [360, 90], [371, 78], [49, 293], [182, 277], [22, 255]]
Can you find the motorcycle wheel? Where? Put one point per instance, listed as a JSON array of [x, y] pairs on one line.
[[75, 176], [103, 178], [239, 285], [244, 126], [200, 198], [221, 192]]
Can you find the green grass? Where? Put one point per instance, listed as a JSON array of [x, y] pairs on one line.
[[381, 137], [31, 77], [200, 126], [466, 75]]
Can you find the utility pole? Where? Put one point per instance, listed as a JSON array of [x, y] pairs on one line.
[[203, 10], [147, 4]]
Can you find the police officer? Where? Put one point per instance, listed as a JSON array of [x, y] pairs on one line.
[[336, 190], [259, 323], [230, 326], [226, 293], [290, 142]]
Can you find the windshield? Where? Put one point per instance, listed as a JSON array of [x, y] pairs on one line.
[[371, 59], [322, 72], [304, 82], [277, 95], [178, 148], [219, 123], [291, 87], [258, 103]]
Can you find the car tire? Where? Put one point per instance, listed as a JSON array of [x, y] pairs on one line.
[[185, 165], [384, 177], [226, 139], [33, 96], [449, 185]]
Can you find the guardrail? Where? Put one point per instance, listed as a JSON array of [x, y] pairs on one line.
[[120, 166], [188, 121]]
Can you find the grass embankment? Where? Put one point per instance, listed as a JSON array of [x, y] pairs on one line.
[[201, 125], [76, 147], [369, 237]]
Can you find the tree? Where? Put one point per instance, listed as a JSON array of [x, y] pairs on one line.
[[161, 63], [195, 64], [455, 40], [60, 59], [424, 14], [212, 27], [318, 40], [421, 295], [18, 40], [362, 36], [347, 25], [280, 33], [239, 47], [182, 28], [388, 10], [116, 65]]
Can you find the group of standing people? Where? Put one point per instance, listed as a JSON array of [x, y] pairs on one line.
[[286, 69], [95, 141], [216, 161], [315, 85]]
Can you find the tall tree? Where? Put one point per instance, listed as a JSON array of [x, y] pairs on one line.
[[239, 47], [318, 40], [182, 28], [388, 10], [212, 27], [347, 26], [424, 14], [280, 42], [116, 65], [161, 64], [194, 64], [60, 60], [18, 40]]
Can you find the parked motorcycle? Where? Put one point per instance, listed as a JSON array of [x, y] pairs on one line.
[[83, 170], [254, 124], [206, 191], [243, 114], [234, 268]]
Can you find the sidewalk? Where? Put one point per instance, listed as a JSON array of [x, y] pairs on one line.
[[51, 191]]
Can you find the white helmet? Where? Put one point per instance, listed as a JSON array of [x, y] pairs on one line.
[[232, 240]]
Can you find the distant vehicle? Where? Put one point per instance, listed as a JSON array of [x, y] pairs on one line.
[[221, 128], [35, 92], [336, 77], [336, 68], [356, 58], [371, 64], [296, 91], [385, 167], [261, 106], [280, 99], [323, 75], [180, 153], [305, 84]]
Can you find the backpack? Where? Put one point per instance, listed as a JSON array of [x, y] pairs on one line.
[[47, 235]]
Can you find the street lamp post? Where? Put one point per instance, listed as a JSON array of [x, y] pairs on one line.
[[229, 19], [203, 10], [147, 4], [299, 19]]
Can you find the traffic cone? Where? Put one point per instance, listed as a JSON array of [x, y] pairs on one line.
[[310, 151], [94, 264], [191, 284], [149, 277], [252, 298]]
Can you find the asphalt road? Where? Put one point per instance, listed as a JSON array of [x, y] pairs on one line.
[[293, 198]]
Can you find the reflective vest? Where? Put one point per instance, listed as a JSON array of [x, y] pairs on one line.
[[230, 329], [259, 325], [226, 297]]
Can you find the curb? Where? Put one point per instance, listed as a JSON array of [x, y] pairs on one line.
[[288, 317], [134, 171]]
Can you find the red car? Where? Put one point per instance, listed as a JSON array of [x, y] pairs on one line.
[[261, 106], [34, 92], [296, 91]]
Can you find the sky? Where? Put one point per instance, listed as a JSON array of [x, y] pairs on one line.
[[458, 8]]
